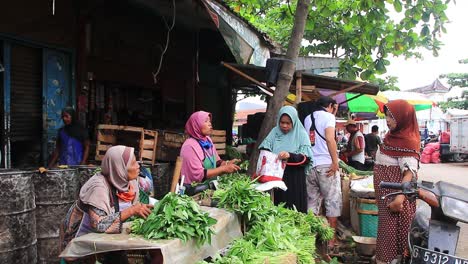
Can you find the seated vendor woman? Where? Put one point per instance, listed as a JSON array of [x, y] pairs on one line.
[[200, 161], [107, 199]]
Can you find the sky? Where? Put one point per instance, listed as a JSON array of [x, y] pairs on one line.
[[415, 73]]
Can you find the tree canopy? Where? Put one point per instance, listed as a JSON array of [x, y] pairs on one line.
[[364, 33], [389, 83], [456, 102], [456, 80]]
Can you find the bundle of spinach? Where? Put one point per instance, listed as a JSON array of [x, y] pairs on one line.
[[241, 197], [307, 223], [319, 226], [176, 216], [225, 181], [244, 252]]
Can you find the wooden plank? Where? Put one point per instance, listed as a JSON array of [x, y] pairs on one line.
[[347, 89], [305, 88], [104, 126], [106, 138], [221, 151], [218, 133], [176, 175], [148, 154], [298, 87], [220, 146], [147, 140], [125, 128], [174, 137], [151, 133], [218, 139], [234, 69], [172, 144], [148, 144], [102, 147]]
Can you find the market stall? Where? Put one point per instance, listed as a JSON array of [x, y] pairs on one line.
[[359, 205], [226, 229]]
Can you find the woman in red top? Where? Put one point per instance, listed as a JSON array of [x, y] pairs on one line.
[[396, 161]]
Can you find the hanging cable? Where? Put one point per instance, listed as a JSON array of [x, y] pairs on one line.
[[163, 51]]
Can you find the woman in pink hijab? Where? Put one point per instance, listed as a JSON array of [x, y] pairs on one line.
[[200, 159]]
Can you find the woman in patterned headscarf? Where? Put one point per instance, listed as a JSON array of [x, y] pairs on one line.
[[108, 198], [397, 160], [200, 161], [290, 141]]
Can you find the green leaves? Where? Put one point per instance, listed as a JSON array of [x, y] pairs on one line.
[[176, 217], [273, 231], [354, 29], [237, 194], [397, 5]]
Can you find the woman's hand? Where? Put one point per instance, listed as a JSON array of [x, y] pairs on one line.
[[283, 155], [396, 206], [233, 161], [230, 168], [142, 210]]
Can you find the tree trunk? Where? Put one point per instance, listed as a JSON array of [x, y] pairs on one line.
[[284, 79]]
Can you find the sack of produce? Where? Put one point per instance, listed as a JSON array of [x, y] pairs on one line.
[[425, 158], [435, 157]]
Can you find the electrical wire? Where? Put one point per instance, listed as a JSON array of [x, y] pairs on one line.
[[163, 51]]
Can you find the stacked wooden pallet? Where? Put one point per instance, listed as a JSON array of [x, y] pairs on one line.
[[219, 140], [150, 145], [169, 144], [146, 140]]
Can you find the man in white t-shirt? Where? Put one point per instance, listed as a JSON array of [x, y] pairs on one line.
[[323, 181]]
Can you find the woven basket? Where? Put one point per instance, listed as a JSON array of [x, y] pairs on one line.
[[368, 217]]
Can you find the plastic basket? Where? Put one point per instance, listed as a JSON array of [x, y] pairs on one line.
[[368, 217]]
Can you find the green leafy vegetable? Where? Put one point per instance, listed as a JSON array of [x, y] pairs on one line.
[[176, 217]]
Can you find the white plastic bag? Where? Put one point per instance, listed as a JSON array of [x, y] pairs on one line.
[[269, 167]]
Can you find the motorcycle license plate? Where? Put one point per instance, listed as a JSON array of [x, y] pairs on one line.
[[425, 256]]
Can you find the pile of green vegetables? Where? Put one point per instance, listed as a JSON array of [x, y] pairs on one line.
[[274, 232], [176, 216], [237, 193]]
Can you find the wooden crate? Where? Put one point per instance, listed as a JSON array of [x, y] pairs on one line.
[[148, 148], [147, 141], [219, 140], [169, 144]]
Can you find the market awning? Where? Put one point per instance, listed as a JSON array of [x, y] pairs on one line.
[[319, 81], [247, 44]]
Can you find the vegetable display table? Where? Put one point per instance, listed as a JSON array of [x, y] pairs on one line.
[[173, 250]]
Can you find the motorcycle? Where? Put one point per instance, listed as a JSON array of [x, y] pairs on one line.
[[433, 236]]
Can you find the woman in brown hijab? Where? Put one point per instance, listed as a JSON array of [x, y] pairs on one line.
[[107, 199], [397, 160]]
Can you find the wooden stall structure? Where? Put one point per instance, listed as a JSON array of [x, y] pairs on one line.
[[147, 140], [150, 145], [219, 140]]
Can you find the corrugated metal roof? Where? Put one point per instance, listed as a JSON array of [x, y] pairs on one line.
[[275, 47], [319, 81]]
